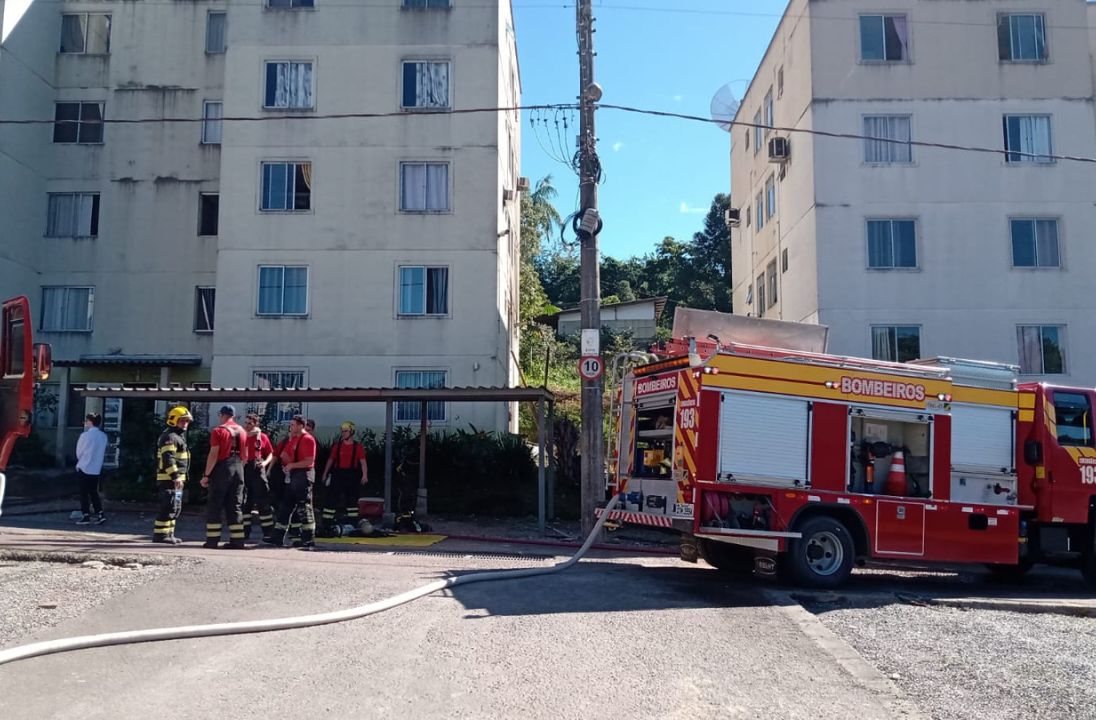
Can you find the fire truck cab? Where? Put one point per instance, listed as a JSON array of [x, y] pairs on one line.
[[769, 458]]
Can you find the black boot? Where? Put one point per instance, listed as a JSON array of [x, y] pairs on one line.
[[276, 538]]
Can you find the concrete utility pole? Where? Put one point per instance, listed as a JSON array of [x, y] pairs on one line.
[[587, 226]]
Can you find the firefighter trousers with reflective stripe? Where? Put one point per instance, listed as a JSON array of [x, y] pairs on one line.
[[342, 495], [169, 507], [297, 505], [226, 497], [257, 498]]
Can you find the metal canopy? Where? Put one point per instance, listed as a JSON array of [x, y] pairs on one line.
[[342, 394]]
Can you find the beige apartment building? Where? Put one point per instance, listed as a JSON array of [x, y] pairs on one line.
[[256, 227], [908, 251]]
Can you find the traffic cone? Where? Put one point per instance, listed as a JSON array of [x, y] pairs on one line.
[[896, 479]]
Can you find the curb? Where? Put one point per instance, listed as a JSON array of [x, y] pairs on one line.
[[562, 544], [1076, 608]]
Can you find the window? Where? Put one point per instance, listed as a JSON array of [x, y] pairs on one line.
[[780, 82], [1021, 38], [768, 111], [884, 38], [424, 290], [411, 411], [289, 4], [757, 131], [747, 145], [216, 31], [279, 380], [87, 33], [209, 205], [770, 271], [78, 122], [73, 215], [1073, 418], [892, 244], [425, 4], [895, 343], [760, 203], [288, 85], [1027, 138], [204, 300], [212, 112], [748, 216], [770, 198], [1042, 351], [890, 139], [1034, 242], [287, 186], [425, 84], [424, 187], [67, 309], [784, 260], [761, 295], [283, 290]]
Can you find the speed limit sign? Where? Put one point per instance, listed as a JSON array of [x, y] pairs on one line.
[[590, 367]]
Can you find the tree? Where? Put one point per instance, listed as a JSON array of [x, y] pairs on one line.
[[711, 254], [539, 218]]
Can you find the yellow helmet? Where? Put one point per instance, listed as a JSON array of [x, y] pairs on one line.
[[347, 425], [176, 414]]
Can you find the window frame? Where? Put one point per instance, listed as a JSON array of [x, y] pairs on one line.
[[883, 38], [1035, 220], [770, 198], [759, 210], [96, 211], [1060, 328], [402, 406], [224, 45], [1026, 158], [282, 313], [201, 215], [893, 267], [448, 61], [288, 210], [404, 5], [762, 303], [893, 329], [401, 313], [292, 6], [908, 144], [199, 305], [208, 123], [770, 277], [1041, 27], [90, 310], [1077, 393], [758, 128], [87, 25], [770, 112], [448, 188], [80, 122], [268, 62], [286, 410]]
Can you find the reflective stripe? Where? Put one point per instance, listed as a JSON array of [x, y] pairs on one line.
[[309, 527]]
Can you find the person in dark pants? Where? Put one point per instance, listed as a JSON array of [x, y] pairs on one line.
[[344, 473], [91, 448], [224, 476], [256, 484], [172, 462], [299, 461]]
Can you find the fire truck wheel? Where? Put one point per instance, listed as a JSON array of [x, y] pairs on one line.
[[725, 557], [823, 556]]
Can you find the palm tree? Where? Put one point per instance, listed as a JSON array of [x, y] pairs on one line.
[[539, 218]]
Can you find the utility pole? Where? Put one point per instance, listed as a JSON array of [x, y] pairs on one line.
[[587, 226]]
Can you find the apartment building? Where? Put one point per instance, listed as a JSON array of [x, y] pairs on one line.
[[909, 251], [296, 207]]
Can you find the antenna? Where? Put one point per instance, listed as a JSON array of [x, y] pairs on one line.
[[724, 106]]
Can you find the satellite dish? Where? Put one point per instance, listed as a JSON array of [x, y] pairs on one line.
[[724, 106]]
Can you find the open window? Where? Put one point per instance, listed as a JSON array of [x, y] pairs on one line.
[[876, 437]]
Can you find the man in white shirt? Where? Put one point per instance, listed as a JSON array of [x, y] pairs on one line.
[[90, 450]]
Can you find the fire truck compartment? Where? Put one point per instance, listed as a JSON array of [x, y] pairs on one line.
[[875, 436]]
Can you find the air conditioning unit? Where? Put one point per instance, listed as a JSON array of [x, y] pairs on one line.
[[508, 195], [779, 149], [523, 184], [733, 217]]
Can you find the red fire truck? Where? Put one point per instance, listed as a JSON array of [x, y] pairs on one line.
[[768, 458], [21, 364]]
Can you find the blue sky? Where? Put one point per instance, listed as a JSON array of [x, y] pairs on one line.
[[660, 174]]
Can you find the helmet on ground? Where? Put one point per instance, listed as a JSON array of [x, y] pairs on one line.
[[365, 527], [347, 425], [176, 414]]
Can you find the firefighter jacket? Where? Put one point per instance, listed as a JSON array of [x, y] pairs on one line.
[[172, 456]]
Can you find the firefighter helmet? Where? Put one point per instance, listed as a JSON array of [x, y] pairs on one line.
[[347, 425], [176, 414]]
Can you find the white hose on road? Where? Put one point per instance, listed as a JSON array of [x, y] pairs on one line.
[[48, 647]]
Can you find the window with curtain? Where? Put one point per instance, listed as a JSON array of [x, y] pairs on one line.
[[283, 290], [426, 84], [279, 380], [287, 187], [424, 290], [411, 411], [67, 309], [887, 139], [1027, 138], [289, 84], [895, 343], [289, 4], [1035, 242], [72, 215], [892, 244], [1021, 37], [212, 112], [424, 187], [770, 198], [1041, 349], [216, 31], [761, 304], [204, 301], [85, 33], [78, 122], [884, 38]]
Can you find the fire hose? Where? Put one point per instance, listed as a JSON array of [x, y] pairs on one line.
[[49, 647]]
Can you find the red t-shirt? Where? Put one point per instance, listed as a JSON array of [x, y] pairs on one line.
[[280, 448], [222, 439], [348, 455], [298, 448], [259, 446]]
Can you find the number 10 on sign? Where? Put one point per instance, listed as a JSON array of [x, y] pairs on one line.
[[590, 367]]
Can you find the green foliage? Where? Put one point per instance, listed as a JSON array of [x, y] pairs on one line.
[[135, 478]]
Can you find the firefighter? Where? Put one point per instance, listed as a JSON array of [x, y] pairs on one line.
[[344, 472], [299, 461], [224, 476], [256, 483], [172, 461]]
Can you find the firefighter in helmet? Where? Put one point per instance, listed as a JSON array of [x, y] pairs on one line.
[[172, 461], [345, 471]]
